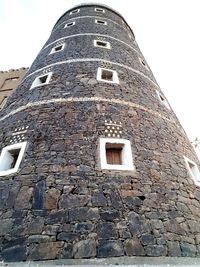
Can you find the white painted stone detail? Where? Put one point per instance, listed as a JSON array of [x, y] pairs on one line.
[[6, 158], [91, 34], [96, 17], [127, 158], [193, 170], [93, 60], [85, 99]]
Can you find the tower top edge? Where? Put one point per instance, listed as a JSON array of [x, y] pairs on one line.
[[95, 4]]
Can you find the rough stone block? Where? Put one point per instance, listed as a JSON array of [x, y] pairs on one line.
[[110, 215], [68, 237], [156, 250], [14, 254], [51, 199], [106, 230], [38, 195], [57, 217], [133, 247], [98, 199], [174, 249], [188, 250], [23, 198], [73, 201], [110, 248], [45, 251], [84, 249]]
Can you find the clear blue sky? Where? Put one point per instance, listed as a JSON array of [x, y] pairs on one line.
[[167, 32]]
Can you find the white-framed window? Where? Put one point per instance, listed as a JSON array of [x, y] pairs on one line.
[[69, 24], [97, 9], [11, 157], [99, 21], [162, 99], [143, 63], [3, 102], [74, 11], [103, 44], [193, 170], [57, 48], [42, 80], [116, 154], [107, 75]]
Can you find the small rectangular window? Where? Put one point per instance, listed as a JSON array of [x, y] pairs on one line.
[[57, 48], [99, 10], [74, 11], [193, 170], [106, 75], [163, 100], [116, 154], [11, 157], [41, 80], [103, 44], [69, 24], [3, 102], [102, 22]]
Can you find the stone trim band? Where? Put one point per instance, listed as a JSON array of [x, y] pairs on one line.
[[92, 34], [92, 60], [86, 99], [98, 17]]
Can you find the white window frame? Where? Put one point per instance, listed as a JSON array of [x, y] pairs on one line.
[[115, 76], [194, 171], [37, 81], [5, 156], [53, 50], [74, 11], [127, 158], [163, 100], [3, 102], [105, 42], [100, 10], [143, 63], [69, 24], [104, 22]]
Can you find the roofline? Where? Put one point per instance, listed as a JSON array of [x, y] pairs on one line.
[[95, 4]]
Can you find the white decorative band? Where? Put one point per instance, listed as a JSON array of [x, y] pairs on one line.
[[97, 17], [86, 99], [92, 60], [91, 34]]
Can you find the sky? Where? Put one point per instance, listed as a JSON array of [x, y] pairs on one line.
[[167, 32]]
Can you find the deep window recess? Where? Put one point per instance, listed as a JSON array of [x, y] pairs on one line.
[[103, 44], [193, 170], [102, 22], [116, 154], [3, 102], [11, 157], [42, 80], [143, 63], [57, 48], [99, 10], [107, 75], [69, 24], [74, 11], [163, 100]]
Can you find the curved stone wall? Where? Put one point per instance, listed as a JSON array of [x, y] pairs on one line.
[[61, 203]]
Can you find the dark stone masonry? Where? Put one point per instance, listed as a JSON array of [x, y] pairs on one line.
[[62, 201]]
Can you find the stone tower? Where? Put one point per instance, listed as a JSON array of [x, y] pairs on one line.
[[94, 162]]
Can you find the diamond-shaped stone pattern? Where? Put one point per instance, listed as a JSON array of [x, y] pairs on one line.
[[113, 129], [19, 135]]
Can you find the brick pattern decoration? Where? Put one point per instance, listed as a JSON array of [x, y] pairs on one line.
[[60, 204]]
